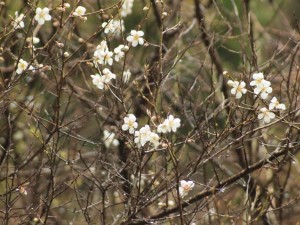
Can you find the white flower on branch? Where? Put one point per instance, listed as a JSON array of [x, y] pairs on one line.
[[130, 123], [266, 115], [109, 139], [79, 11], [18, 22], [42, 15], [238, 88], [135, 38], [185, 187], [275, 104]]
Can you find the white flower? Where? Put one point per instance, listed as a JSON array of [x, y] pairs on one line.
[[126, 76], [109, 139], [126, 7], [154, 139], [130, 123], [18, 22], [113, 26], [119, 26], [108, 75], [108, 27], [119, 52], [275, 104], [238, 89], [265, 115], [98, 81], [79, 11], [103, 56], [263, 89], [102, 47], [257, 79], [185, 187], [135, 38], [169, 125], [42, 15], [22, 65], [162, 128], [142, 136], [173, 123]]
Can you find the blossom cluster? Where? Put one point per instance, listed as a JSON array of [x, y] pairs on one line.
[[144, 134], [261, 88]]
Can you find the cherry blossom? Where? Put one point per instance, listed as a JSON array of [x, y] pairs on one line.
[[135, 38], [142, 136], [109, 139], [257, 79], [126, 7], [18, 22], [238, 88], [170, 124], [42, 15], [79, 11], [130, 123], [265, 115], [264, 89], [185, 187], [275, 104]]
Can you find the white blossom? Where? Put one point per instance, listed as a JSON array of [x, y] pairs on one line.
[[135, 38], [79, 11], [238, 88], [119, 52], [108, 27], [98, 81], [170, 124], [18, 22], [266, 115], [130, 123], [257, 79], [154, 139], [185, 187], [42, 15], [119, 26], [263, 89], [108, 75], [275, 104], [113, 26], [22, 66], [103, 56], [126, 8], [109, 139], [142, 136]]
